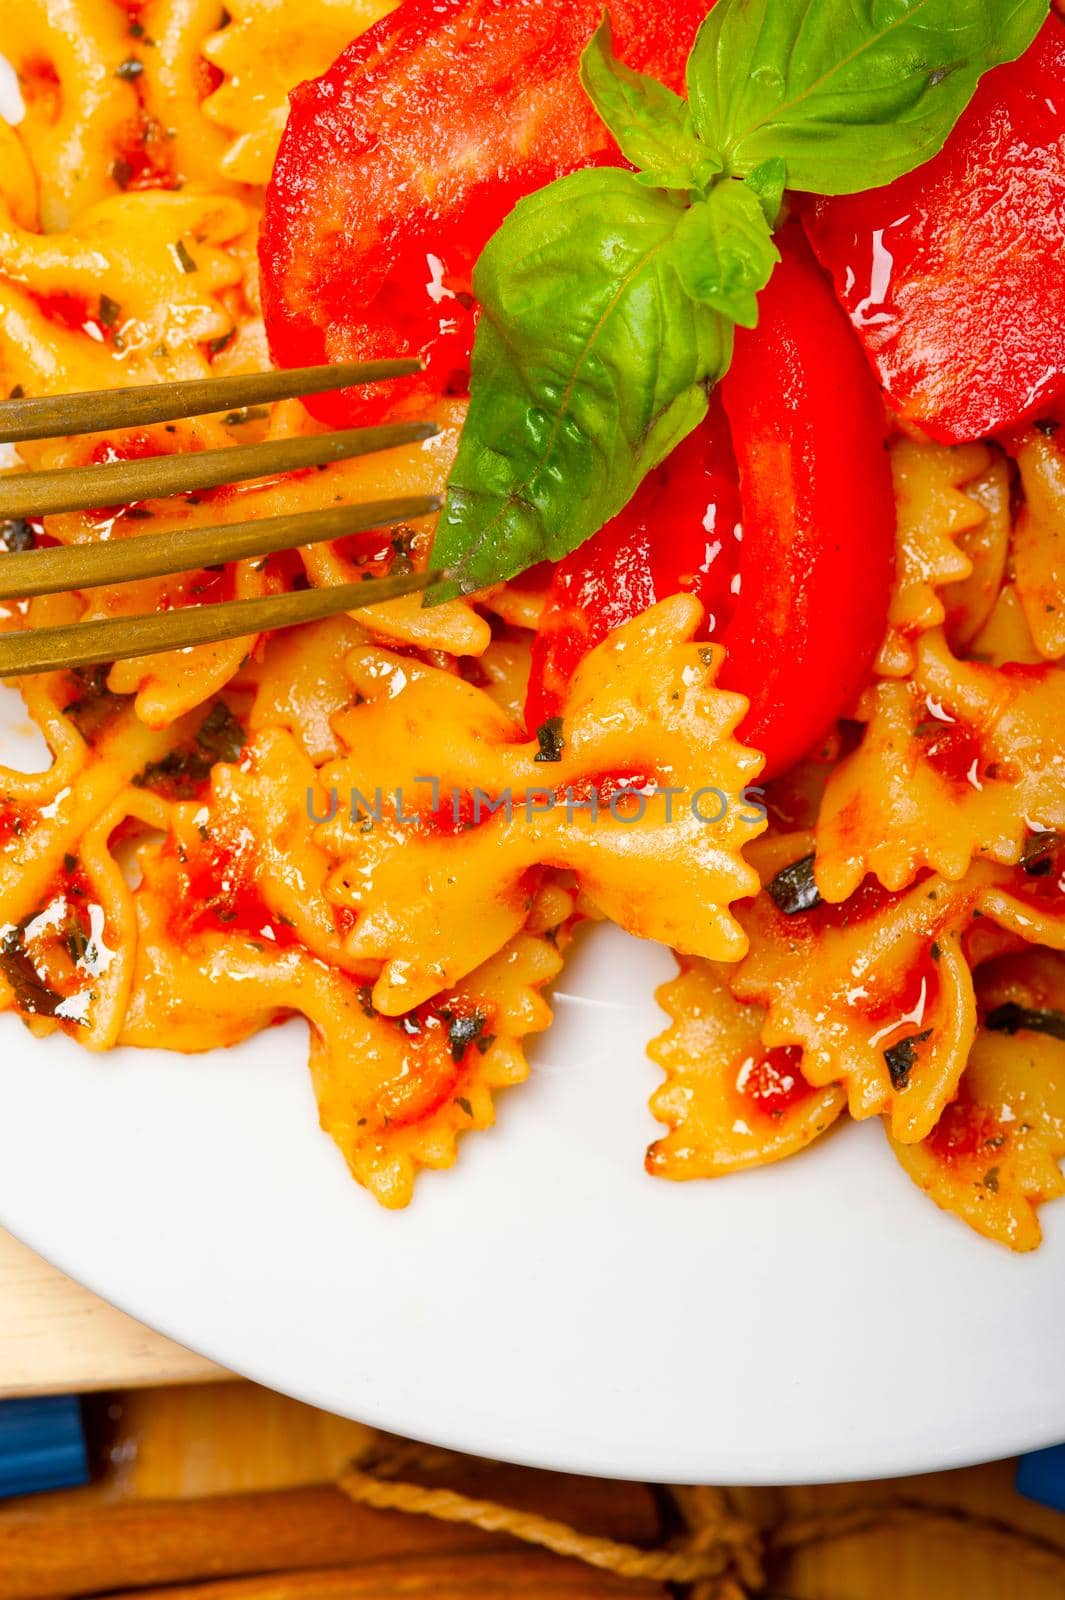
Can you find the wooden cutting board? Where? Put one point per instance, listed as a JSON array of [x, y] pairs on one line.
[[57, 1338]]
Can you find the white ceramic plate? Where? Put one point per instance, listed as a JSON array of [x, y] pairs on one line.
[[545, 1301]]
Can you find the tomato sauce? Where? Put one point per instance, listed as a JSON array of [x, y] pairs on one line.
[[772, 1084], [219, 893], [967, 1133], [441, 1034]]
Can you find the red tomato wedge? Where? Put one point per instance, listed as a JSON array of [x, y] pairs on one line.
[[954, 276], [398, 165], [680, 531], [810, 436], [800, 603]]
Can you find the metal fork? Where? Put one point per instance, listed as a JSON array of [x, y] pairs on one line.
[[88, 566]]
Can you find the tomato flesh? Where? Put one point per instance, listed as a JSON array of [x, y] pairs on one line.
[[398, 165], [810, 435], [679, 532], [952, 276], [791, 474]]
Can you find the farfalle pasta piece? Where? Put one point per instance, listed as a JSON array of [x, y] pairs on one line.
[[99, 746], [394, 1093], [933, 511], [174, 84], [969, 602], [878, 990], [728, 1100], [1039, 541], [961, 760], [244, 854], [301, 684], [1026, 902], [80, 109], [40, 356], [69, 963], [143, 272], [171, 684], [436, 1070], [520, 601], [503, 671], [264, 50], [639, 788], [993, 1156], [18, 181], [1005, 638]]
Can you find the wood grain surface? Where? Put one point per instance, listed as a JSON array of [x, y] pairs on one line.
[[57, 1338]]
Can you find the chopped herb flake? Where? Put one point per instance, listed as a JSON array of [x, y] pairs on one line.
[[75, 939], [221, 735], [1036, 859], [464, 1031], [550, 738], [1012, 1018], [92, 703], [794, 890], [180, 773], [16, 535], [237, 419], [902, 1058], [183, 772], [218, 344], [32, 994], [184, 260]]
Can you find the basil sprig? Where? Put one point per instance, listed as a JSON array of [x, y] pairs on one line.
[[849, 94], [609, 298]]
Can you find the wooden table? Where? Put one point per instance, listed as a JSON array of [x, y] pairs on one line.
[[57, 1338], [171, 1426]]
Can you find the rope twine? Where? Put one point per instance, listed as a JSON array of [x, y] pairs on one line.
[[721, 1554]]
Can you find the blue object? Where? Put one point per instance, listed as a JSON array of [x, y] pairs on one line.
[[42, 1445], [1041, 1477]]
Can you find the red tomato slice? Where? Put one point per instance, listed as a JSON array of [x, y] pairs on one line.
[[398, 165], [680, 531], [810, 436], [954, 276], [800, 603]]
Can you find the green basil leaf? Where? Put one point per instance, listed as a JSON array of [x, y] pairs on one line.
[[590, 365], [725, 251], [769, 180], [693, 179], [652, 125], [848, 93]]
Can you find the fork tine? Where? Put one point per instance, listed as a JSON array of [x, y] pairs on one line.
[[38, 494], [80, 644], [151, 555], [54, 416]]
